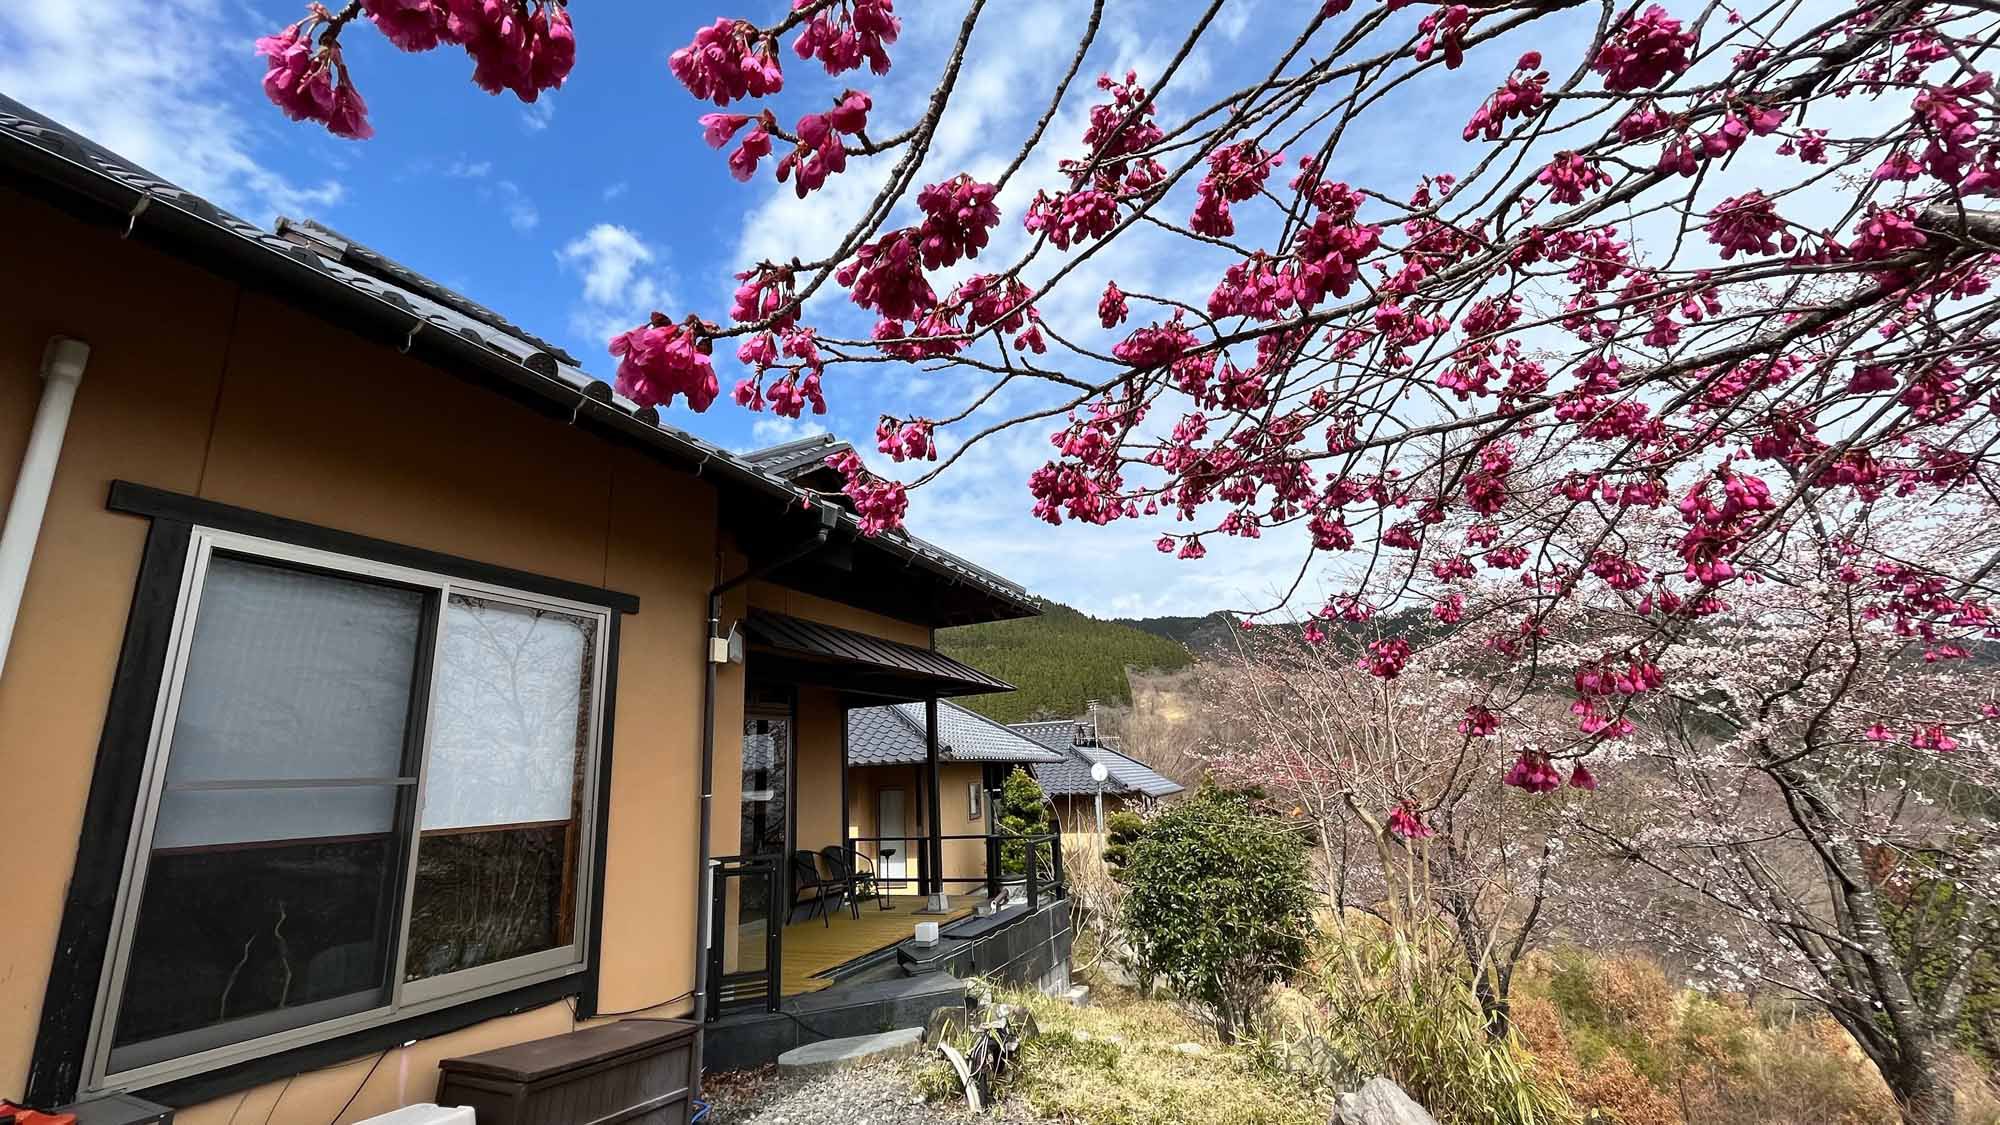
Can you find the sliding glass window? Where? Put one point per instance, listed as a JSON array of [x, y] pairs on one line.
[[368, 795]]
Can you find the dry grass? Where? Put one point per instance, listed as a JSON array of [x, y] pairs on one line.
[[1120, 1062], [1627, 1043]]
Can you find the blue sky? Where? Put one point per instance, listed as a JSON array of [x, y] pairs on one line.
[[584, 211]]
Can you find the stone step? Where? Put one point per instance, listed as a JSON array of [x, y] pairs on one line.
[[855, 1050]]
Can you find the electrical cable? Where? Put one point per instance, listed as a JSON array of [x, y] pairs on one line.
[[349, 1104]]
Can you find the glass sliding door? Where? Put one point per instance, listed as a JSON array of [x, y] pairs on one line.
[[767, 762]]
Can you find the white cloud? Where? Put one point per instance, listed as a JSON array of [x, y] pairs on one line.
[[538, 115], [623, 280], [770, 429], [613, 191], [521, 212], [464, 170], [169, 91]]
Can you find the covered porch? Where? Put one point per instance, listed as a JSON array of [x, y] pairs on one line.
[[865, 809]]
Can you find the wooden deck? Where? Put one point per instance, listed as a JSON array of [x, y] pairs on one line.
[[813, 947]]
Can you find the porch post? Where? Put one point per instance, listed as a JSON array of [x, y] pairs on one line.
[[934, 856]]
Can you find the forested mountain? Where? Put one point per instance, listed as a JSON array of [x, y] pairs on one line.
[[1065, 658], [1059, 661], [1218, 633], [1202, 635]]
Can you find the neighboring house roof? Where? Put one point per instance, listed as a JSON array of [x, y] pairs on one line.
[[794, 459], [1056, 734], [894, 735], [803, 463], [367, 293], [1071, 776]]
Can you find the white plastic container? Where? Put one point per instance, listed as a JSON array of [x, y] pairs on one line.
[[424, 1113], [927, 933]]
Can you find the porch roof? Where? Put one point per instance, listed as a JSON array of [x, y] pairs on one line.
[[894, 735], [861, 663]]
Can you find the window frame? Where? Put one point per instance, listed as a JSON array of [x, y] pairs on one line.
[[406, 999]]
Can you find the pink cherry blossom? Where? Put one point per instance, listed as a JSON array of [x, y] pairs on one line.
[[1533, 772], [1407, 823], [412, 25], [1644, 52], [659, 360], [1479, 722], [1386, 657], [844, 35], [1111, 310], [1746, 224], [879, 504], [727, 61]]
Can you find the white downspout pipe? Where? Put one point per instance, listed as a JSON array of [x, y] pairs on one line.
[[62, 369]]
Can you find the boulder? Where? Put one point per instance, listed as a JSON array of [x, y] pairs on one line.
[[1379, 1102], [944, 1024]]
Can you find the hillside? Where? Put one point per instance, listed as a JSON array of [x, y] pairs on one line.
[[1217, 634], [1202, 635], [1058, 661]]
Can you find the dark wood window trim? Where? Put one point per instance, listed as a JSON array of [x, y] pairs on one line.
[[55, 1071], [360, 1044]]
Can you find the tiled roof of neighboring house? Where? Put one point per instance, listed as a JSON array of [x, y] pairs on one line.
[[794, 459], [894, 735], [803, 462], [1072, 775], [379, 298], [1056, 734]]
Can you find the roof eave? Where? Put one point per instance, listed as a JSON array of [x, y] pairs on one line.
[[160, 220]]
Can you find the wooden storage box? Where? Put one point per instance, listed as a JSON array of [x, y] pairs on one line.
[[636, 1071]]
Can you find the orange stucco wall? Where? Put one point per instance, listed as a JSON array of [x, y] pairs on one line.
[[199, 387], [962, 858]]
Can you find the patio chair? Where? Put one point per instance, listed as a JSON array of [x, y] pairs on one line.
[[857, 874], [806, 878]]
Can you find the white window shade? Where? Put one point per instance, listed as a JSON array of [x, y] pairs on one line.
[[293, 674], [510, 711]]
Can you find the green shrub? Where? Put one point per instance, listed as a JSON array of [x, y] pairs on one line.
[[1219, 906], [1023, 812], [1121, 830]]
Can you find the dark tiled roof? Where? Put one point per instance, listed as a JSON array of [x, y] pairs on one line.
[[1056, 734], [894, 735], [794, 459], [1072, 774], [797, 637], [372, 295], [348, 252]]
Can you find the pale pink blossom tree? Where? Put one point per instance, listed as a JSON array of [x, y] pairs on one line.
[[1412, 822], [1804, 786]]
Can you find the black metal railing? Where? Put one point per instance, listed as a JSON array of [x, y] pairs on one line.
[[1039, 877], [748, 903]]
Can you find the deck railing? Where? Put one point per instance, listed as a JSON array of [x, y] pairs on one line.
[[1039, 878], [750, 902]]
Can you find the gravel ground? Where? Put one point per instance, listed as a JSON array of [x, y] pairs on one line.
[[872, 1095]]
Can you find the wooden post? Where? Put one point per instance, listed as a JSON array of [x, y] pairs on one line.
[[935, 852]]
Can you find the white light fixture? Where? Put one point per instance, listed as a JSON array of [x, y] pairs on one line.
[[1098, 773]]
